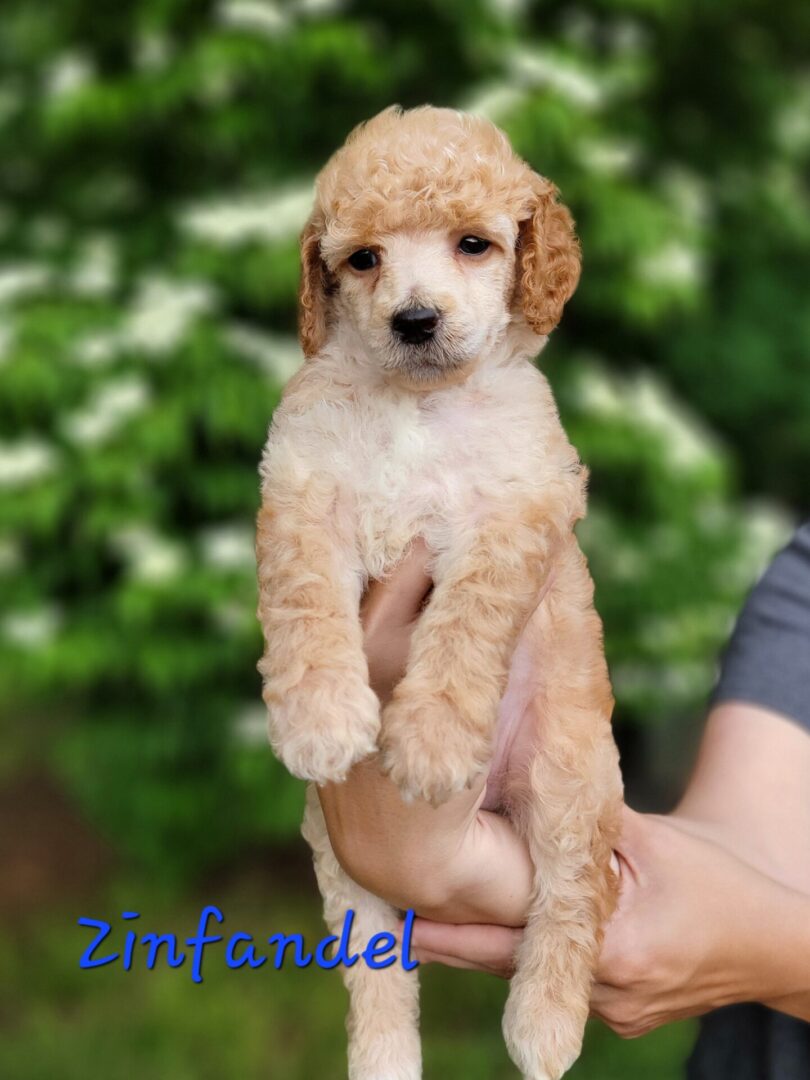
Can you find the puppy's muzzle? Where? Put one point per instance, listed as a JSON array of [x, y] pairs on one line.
[[415, 325]]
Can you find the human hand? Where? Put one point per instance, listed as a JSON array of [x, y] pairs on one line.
[[696, 927], [389, 612], [474, 946]]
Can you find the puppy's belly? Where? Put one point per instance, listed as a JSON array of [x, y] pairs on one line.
[[517, 729]]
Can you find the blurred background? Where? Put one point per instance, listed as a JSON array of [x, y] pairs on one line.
[[156, 165]]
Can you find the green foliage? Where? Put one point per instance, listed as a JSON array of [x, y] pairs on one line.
[[157, 163]]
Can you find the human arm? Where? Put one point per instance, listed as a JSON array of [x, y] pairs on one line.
[[701, 923], [715, 905]]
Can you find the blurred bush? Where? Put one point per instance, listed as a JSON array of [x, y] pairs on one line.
[[157, 165]]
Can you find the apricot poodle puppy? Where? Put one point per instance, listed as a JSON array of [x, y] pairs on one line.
[[435, 264]]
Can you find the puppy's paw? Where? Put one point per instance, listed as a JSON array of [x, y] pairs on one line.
[[426, 750], [324, 725], [543, 1039]]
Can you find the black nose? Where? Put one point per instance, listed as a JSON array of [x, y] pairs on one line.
[[415, 325]]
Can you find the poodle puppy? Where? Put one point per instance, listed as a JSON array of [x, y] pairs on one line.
[[435, 264]]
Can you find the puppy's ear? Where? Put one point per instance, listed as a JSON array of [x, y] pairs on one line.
[[313, 294], [548, 260]]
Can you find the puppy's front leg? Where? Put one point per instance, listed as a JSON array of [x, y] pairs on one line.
[[437, 730], [323, 715]]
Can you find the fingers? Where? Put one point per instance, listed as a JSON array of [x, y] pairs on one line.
[[400, 596], [473, 946]]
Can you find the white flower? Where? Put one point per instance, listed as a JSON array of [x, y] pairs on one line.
[[671, 683], [688, 193], [793, 124], [250, 725], [10, 556], [21, 279], [267, 218], [674, 264], [494, 101], [696, 623], [31, 629], [162, 313], [95, 273], [152, 558], [644, 399], [216, 86], [508, 9], [95, 350], [67, 74], [686, 441], [598, 533], [25, 461], [261, 16], [611, 157], [598, 392], [46, 233], [767, 528], [152, 52], [6, 340], [541, 67], [315, 8], [229, 546], [111, 406], [278, 355], [627, 36], [233, 618]]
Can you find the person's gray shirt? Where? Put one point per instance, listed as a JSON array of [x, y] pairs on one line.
[[767, 663]]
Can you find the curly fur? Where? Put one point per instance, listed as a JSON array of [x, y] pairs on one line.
[[429, 167], [458, 441]]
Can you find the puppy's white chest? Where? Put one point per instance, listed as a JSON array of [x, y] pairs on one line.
[[403, 464], [428, 467]]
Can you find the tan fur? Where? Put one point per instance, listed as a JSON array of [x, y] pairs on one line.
[[376, 443], [427, 166], [549, 261]]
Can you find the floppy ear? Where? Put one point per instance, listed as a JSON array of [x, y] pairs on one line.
[[548, 257], [314, 290]]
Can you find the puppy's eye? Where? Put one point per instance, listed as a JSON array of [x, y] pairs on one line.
[[363, 259], [473, 245]]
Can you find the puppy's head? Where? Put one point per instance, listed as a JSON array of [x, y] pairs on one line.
[[430, 240]]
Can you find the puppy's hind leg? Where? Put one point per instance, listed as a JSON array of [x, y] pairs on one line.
[[570, 817], [548, 1005], [383, 1021]]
